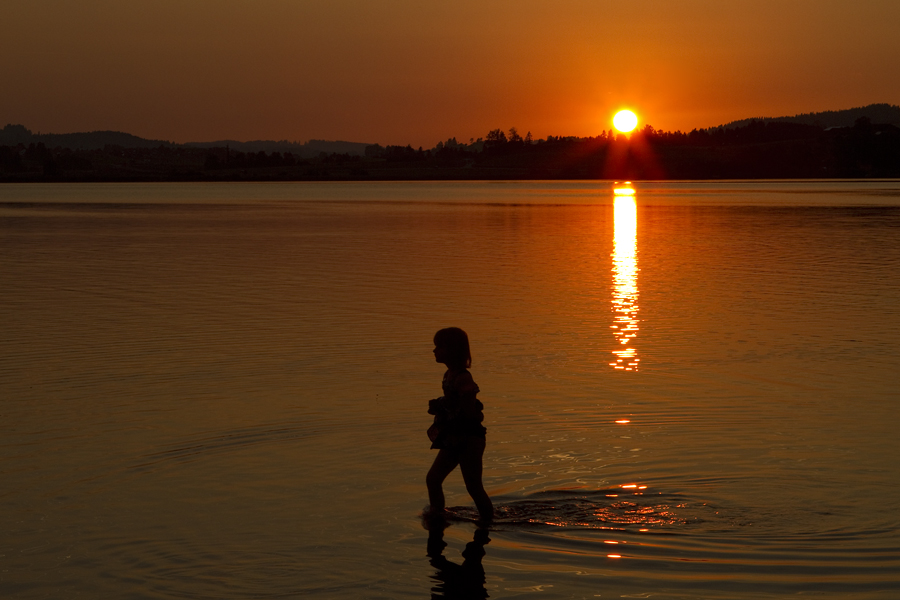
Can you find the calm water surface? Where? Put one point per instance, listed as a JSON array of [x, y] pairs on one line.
[[220, 391]]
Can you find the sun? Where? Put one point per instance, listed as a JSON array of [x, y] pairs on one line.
[[625, 121]]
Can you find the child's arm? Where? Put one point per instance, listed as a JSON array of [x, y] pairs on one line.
[[436, 406]]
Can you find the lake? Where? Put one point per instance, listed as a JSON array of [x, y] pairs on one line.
[[220, 390]]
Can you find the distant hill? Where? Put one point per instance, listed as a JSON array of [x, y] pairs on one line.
[[881, 114], [13, 135]]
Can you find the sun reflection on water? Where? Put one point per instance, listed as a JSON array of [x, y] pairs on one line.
[[625, 290]]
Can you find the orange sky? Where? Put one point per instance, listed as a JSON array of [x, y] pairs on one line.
[[403, 71]]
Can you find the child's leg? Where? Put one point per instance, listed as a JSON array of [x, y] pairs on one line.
[[470, 463], [444, 462]]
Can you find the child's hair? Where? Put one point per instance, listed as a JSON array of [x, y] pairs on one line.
[[456, 342]]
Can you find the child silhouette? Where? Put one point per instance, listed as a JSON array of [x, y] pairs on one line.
[[457, 432]]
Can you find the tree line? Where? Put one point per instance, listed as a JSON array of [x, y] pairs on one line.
[[759, 149]]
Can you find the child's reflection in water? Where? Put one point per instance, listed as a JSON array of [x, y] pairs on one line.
[[465, 581]]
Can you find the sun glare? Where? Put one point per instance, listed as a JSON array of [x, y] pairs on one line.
[[625, 121]]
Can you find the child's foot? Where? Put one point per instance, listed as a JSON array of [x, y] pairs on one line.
[[434, 519], [485, 522]]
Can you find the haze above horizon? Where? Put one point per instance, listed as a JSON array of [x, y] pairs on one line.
[[405, 73]]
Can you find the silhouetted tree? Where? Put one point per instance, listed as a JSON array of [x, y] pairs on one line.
[[374, 151], [495, 136], [402, 154], [211, 162], [10, 159]]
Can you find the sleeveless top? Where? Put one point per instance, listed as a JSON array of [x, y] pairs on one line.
[[458, 413]]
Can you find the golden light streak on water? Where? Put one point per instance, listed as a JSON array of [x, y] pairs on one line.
[[625, 291]]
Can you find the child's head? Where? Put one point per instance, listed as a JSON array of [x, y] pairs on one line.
[[455, 344]]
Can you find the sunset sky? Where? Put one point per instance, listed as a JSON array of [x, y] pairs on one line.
[[413, 72]]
